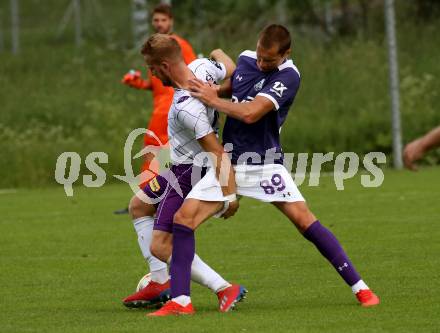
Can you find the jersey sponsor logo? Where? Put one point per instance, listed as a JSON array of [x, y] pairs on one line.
[[278, 88], [234, 99], [259, 85]]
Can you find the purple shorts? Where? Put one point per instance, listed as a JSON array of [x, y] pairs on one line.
[[170, 189]]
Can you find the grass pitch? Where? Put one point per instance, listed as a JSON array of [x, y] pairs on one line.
[[66, 263]]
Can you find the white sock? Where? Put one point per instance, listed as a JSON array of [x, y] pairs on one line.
[[161, 276], [144, 229], [202, 274], [182, 300], [358, 286]]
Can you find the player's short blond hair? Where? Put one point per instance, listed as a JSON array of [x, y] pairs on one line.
[[161, 47]]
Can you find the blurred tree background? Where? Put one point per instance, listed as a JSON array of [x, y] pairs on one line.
[[57, 97]]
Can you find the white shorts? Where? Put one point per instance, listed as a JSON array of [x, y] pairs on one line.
[[267, 183]]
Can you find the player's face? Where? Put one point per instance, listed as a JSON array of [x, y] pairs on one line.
[[162, 23], [160, 71], [269, 59]]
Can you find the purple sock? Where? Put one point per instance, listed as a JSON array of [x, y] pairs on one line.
[[330, 248], [183, 255]]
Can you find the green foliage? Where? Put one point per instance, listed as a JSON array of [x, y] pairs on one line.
[[343, 103], [71, 102], [55, 98]]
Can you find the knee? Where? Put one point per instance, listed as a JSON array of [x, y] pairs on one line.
[[184, 219], [137, 208]]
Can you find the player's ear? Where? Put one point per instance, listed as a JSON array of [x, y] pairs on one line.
[[287, 53], [165, 66]]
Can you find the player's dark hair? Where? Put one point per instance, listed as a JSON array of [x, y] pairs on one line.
[[163, 8], [161, 47], [275, 34]]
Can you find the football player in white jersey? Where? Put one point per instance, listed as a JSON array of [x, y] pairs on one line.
[[192, 129]]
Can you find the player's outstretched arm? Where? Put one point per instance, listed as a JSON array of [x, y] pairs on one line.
[[220, 56], [133, 79], [248, 113], [225, 89], [415, 150], [224, 171]]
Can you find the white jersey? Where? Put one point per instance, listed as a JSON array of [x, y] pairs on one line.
[[189, 119]]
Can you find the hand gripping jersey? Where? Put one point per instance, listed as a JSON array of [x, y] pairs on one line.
[[262, 138], [189, 119]]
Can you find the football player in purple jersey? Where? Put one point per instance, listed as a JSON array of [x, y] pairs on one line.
[[263, 88]]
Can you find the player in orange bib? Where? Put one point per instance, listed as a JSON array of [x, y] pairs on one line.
[[162, 22]]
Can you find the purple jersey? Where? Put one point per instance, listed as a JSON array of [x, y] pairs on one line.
[[262, 137]]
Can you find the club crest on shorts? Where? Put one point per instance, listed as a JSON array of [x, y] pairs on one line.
[[154, 185]]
